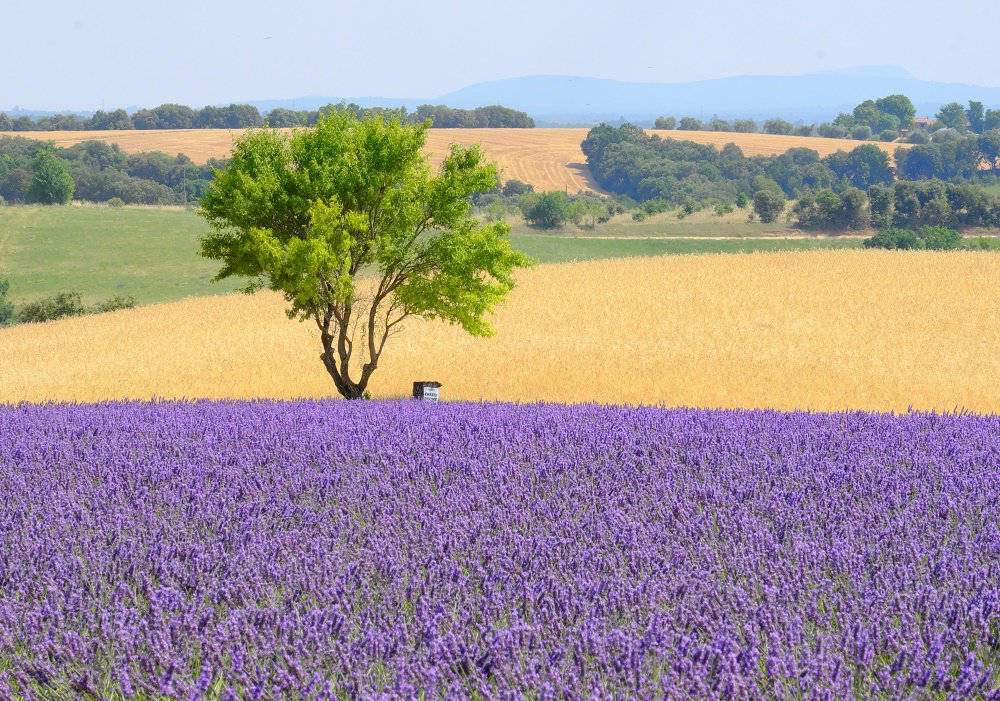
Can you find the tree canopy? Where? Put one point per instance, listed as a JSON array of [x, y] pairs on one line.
[[306, 213], [51, 182]]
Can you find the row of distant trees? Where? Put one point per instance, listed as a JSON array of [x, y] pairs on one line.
[[845, 190], [627, 160], [35, 171], [173, 116], [906, 204], [888, 118]]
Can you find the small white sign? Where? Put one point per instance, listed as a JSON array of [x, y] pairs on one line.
[[430, 394]]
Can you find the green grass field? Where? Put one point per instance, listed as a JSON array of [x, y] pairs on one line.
[[149, 253], [557, 249], [152, 253], [700, 224]]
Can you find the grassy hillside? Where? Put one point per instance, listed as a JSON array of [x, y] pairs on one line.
[[149, 253], [827, 330], [152, 254]]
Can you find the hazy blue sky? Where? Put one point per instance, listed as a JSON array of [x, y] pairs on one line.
[[62, 54]]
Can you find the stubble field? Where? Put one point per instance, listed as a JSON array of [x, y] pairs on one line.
[[549, 159], [828, 330]]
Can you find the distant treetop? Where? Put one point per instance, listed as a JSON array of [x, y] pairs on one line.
[[173, 116]]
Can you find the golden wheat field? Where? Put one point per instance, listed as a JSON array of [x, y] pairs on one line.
[[827, 330], [549, 159]]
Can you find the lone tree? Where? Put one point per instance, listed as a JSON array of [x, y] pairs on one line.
[[306, 213]]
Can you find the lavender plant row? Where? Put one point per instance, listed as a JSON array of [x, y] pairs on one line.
[[322, 550]]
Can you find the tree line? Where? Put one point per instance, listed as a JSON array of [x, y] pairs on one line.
[[844, 190], [174, 116], [889, 118], [36, 171]]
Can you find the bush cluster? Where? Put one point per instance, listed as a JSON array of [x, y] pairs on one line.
[[935, 238], [58, 306]]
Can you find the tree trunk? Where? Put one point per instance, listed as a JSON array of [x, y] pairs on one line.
[[338, 348]]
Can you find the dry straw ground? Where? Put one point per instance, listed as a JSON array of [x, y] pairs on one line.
[[549, 159], [825, 331]]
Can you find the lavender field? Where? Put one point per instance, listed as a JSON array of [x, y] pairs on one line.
[[323, 550]]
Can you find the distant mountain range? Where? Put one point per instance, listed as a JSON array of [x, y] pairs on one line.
[[814, 97], [571, 100]]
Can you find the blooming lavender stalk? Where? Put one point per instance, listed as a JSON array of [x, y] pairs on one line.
[[319, 550]]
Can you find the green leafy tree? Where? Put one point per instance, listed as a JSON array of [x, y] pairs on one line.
[[305, 213], [991, 120], [51, 182], [861, 132], [976, 116], [855, 208], [546, 210], [989, 148], [516, 188], [691, 124], [832, 131], [887, 123], [778, 126], [867, 114], [768, 205], [880, 200], [953, 116], [281, 117], [665, 123], [899, 106], [745, 126], [102, 120], [864, 166]]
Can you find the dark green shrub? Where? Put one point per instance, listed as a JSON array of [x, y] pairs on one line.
[[940, 238], [66, 304], [115, 303], [547, 210], [516, 188], [768, 205], [894, 239], [862, 132], [935, 238], [58, 306]]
